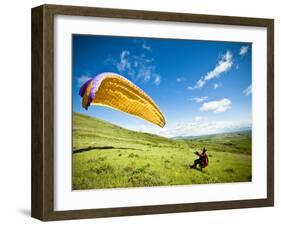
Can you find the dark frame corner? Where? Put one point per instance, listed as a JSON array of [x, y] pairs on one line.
[[42, 201]]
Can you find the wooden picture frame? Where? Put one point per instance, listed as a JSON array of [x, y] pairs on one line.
[[42, 203]]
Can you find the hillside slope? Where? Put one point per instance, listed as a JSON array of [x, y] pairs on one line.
[[109, 156], [238, 142], [97, 133]]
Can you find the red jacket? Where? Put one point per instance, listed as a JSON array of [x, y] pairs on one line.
[[204, 159]]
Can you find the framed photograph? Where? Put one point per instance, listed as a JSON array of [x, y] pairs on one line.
[[141, 112]]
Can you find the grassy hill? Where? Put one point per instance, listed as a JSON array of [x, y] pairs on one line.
[[109, 156], [239, 142]]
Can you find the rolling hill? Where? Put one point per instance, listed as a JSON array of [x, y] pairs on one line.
[[108, 156]]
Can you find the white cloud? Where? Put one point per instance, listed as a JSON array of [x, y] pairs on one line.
[[137, 67], [248, 90], [217, 106], [199, 99], [124, 63], [180, 79], [193, 128], [82, 79], [200, 118], [224, 64], [217, 85], [243, 50], [157, 80], [145, 46], [199, 84]]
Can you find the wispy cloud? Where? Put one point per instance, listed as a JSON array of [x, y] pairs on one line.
[[248, 90], [181, 79], [157, 80], [199, 99], [137, 67], [243, 50], [200, 118], [145, 46], [124, 63], [217, 106], [193, 128], [217, 85], [82, 79], [224, 64]]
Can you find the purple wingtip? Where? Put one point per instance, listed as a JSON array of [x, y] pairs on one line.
[[91, 95], [95, 82], [84, 87]]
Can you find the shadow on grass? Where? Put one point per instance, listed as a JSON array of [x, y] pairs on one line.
[[100, 148], [201, 170]]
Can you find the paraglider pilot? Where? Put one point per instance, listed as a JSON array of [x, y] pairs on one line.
[[203, 160]]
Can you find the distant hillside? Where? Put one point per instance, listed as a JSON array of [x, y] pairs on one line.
[[226, 142], [249, 132]]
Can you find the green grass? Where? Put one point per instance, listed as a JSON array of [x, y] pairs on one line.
[[108, 156], [238, 142]]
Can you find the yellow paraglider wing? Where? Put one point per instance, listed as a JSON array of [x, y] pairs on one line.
[[117, 92]]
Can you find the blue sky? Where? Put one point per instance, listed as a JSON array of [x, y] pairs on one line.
[[202, 87]]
